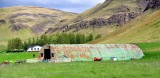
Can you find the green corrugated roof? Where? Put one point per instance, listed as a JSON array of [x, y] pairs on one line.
[[86, 52]]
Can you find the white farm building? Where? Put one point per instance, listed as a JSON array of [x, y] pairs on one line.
[[34, 48]]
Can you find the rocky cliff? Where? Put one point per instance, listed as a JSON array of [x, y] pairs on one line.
[[153, 5], [118, 19], [117, 15]]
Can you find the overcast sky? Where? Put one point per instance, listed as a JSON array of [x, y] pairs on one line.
[[65, 5]]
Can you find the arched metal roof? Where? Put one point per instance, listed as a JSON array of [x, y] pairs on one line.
[[86, 52]]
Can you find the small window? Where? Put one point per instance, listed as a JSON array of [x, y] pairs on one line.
[[31, 48], [52, 54], [37, 48], [41, 54], [34, 48]]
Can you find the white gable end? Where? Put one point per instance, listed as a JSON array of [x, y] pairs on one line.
[[34, 48]]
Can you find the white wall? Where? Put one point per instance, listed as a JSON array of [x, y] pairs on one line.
[[34, 48]]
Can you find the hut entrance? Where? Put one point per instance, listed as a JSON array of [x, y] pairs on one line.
[[47, 54]]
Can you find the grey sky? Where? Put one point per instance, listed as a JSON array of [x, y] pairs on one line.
[[66, 5]]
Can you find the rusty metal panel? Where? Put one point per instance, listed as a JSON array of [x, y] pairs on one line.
[[86, 52]]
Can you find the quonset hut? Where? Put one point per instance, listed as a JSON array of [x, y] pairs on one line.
[[87, 52]]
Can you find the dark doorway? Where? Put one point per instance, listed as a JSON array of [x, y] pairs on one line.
[[47, 54]]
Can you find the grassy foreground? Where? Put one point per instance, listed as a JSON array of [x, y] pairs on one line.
[[148, 67], [106, 69]]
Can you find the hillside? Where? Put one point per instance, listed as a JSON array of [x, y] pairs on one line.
[[145, 28], [109, 8], [27, 21], [107, 15], [131, 21], [112, 7]]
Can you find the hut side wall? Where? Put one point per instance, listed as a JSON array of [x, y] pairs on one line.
[[86, 52]]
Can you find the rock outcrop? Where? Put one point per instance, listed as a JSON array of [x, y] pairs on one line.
[[121, 18], [118, 20], [149, 4], [2, 22], [153, 4]]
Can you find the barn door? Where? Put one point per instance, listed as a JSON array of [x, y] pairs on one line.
[[47, 54]]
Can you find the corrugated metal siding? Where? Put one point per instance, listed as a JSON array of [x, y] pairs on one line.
[[86, 52]]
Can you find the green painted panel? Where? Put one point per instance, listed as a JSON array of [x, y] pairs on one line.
[[95, 53]]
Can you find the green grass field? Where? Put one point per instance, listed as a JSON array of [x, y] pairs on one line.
[[105, 69], [148, 67], [17, 56]]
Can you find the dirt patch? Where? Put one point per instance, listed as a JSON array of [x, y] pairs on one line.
[[2, 22], [119, 9], [17, 27], [4, 63], [39, 28], [17, 24]]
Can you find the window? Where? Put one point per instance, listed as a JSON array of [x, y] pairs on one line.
[[52, 54], [41, 54], [35, 49], [31, 48]]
